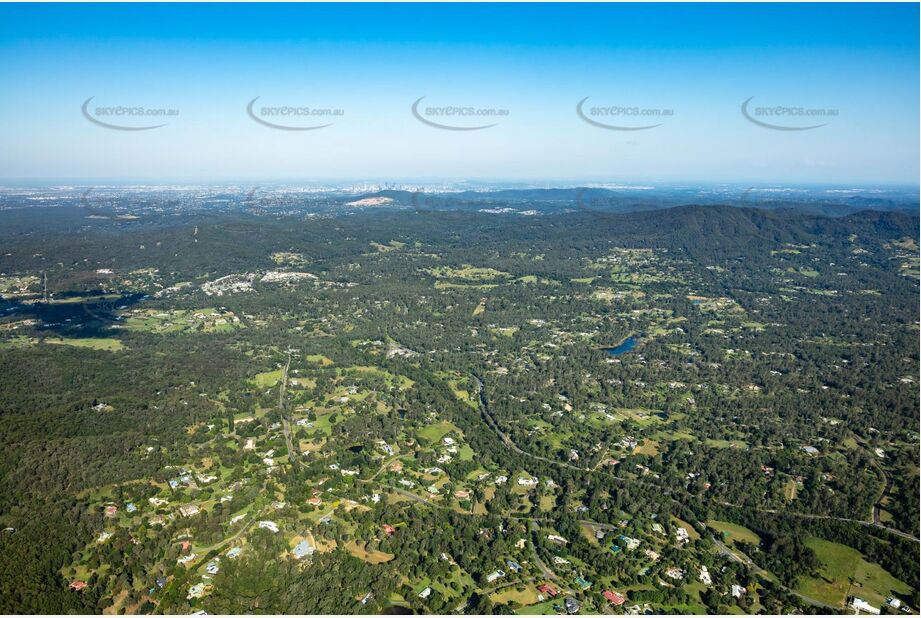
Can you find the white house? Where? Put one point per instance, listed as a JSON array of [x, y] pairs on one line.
[[704, 575], [271, 526], [494, 576], [862, 606]]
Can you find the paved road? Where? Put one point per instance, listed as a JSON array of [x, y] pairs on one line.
[[221, 544], [887, 482], [484, 409], [383, 467], [547, 571], [862, 522], [511, 584], [741, 558], [487, 416], [418, 498], [491, 422]]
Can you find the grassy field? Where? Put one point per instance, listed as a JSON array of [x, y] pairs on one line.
[[434, 433], [400, 381], [540, 609], [318, 358], [691, 531], [93, 343], [640, 416], [527, 596], [588, 532], [789, 490], [372, 557], [725, 443], [480, 508], [649, 447], [393, 245], [158, 321], [734, 532], [442, 285], [458, 386], [838, 564], [468, 273], [806, 272], [268, 378], [844, 573], [874, 584]]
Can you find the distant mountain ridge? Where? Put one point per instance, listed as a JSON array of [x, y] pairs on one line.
[[627, 200]]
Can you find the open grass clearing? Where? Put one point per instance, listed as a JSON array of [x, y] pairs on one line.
[[734, 532], [106, 344], [371, 557], [526, 596]]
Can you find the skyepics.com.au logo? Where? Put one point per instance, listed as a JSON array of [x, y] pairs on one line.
[[456, 117], [292, 117], [126, 117], [786, 117], [622, 117]]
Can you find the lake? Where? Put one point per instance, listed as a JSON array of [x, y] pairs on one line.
[[72, 313], [628, 344]]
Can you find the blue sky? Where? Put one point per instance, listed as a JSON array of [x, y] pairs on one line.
[[372, 61]]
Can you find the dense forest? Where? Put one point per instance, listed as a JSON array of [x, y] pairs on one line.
[[429, 397]]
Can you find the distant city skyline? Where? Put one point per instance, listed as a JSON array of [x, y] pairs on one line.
[[548, 94]]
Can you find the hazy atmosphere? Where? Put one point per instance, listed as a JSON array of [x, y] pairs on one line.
[[460, 309], [687, 69]]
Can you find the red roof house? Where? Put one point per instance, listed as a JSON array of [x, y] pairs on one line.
[[613, 598], [390, 530], [77, 584], [548, 589]]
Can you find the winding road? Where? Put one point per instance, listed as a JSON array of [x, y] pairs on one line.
[[491, 422], [484, 409]]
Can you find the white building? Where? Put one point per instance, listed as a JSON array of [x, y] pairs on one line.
[[704, 575], [862, 606], [494, 576], [271, 526], [674, 573]]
